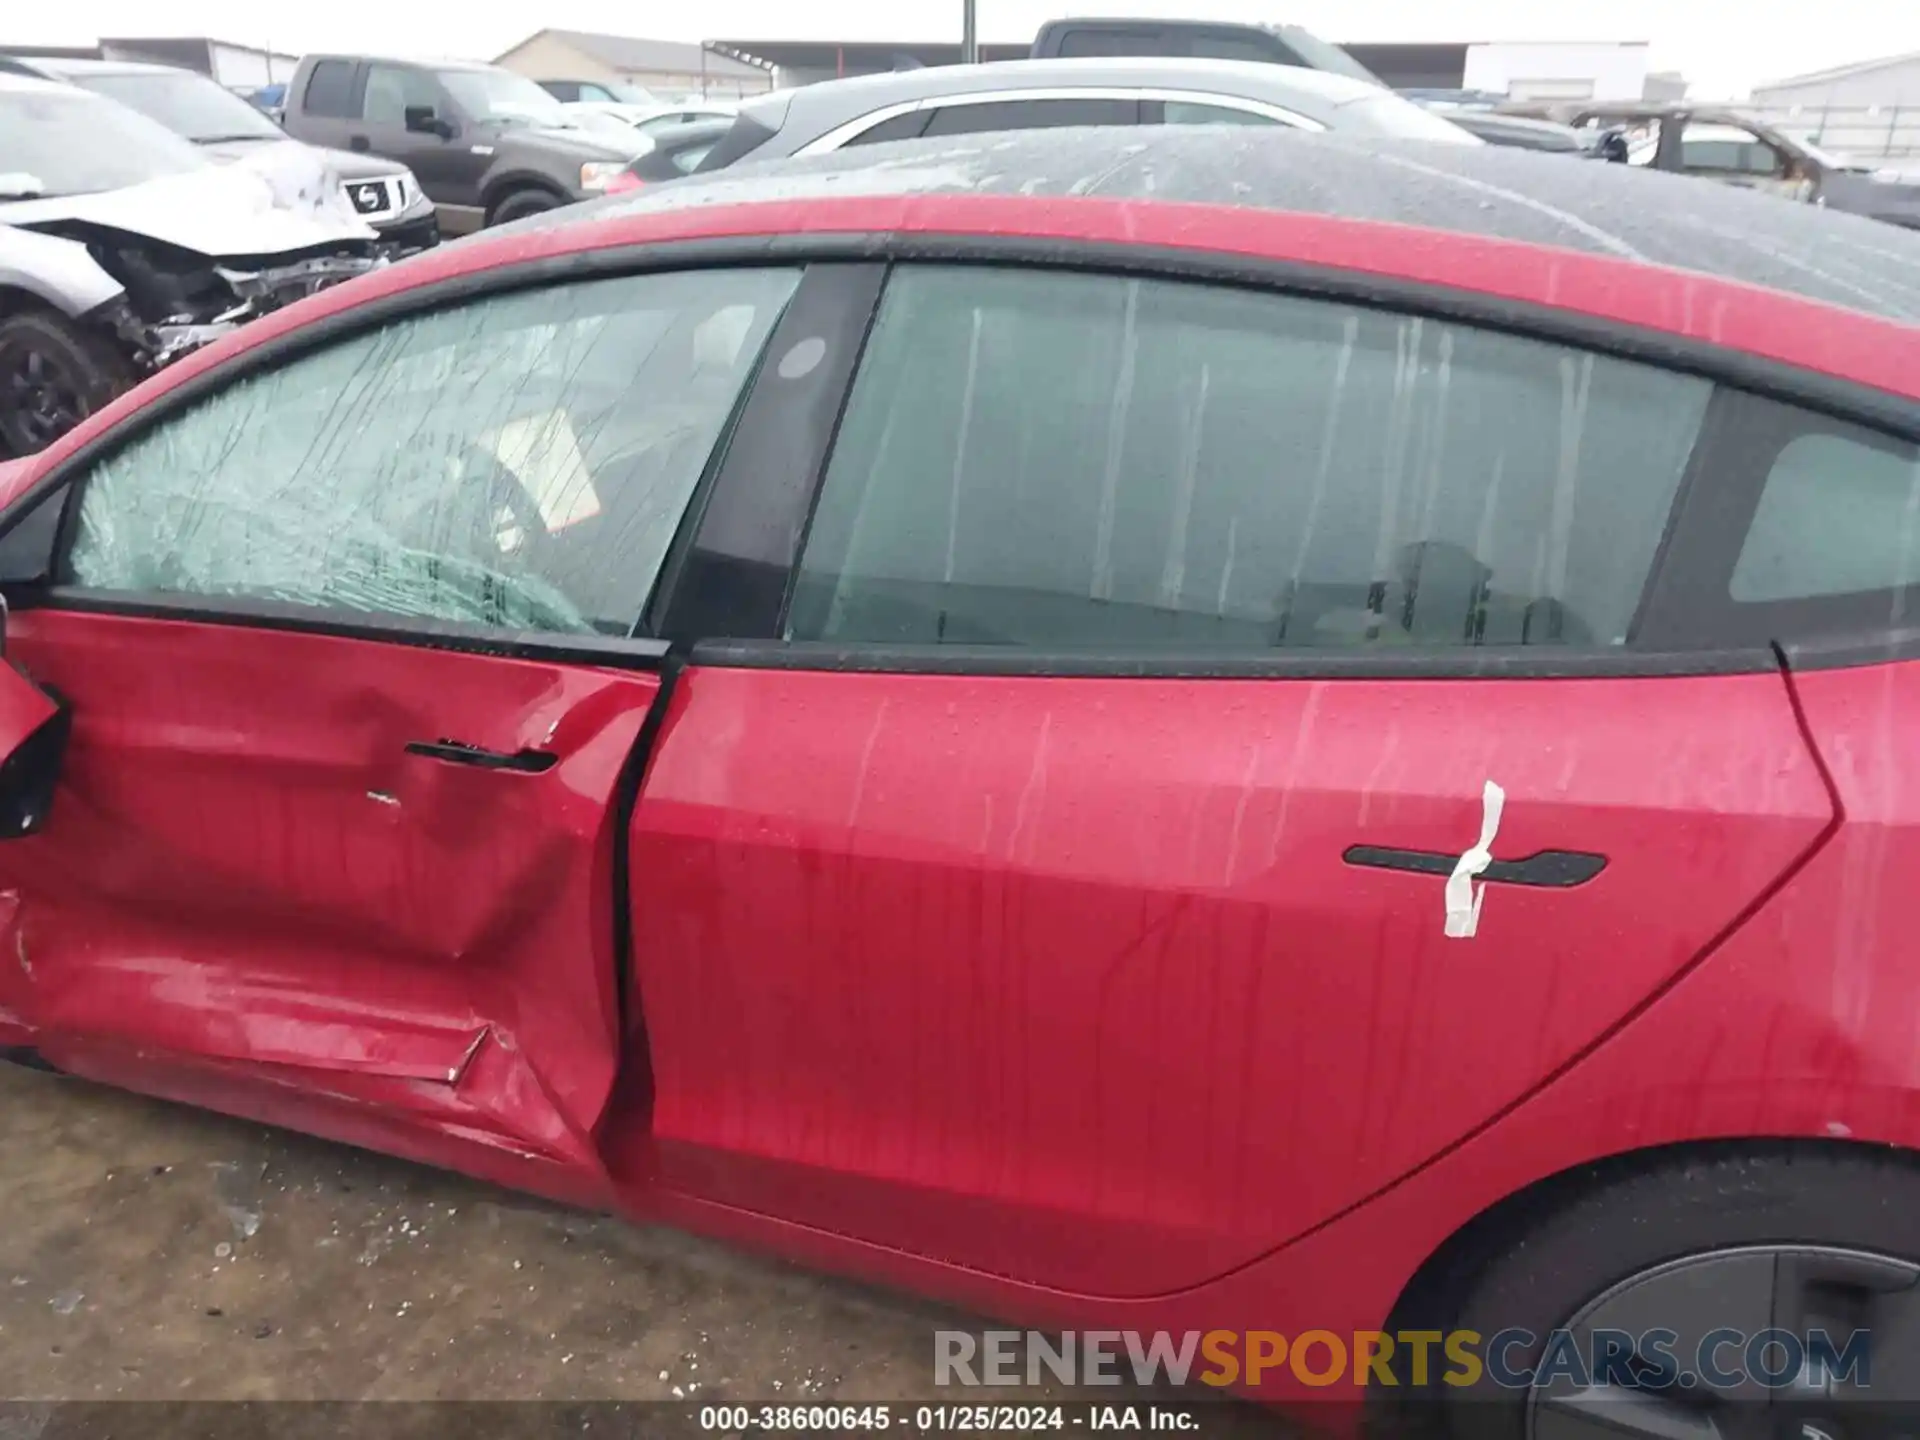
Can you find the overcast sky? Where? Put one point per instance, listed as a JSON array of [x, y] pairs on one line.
[[1723, 46]]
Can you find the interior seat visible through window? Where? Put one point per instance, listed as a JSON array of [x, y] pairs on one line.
[[521, 461], [1079, 461]]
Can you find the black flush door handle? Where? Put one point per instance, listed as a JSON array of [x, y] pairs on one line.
[[457, 752], [1557, 869]]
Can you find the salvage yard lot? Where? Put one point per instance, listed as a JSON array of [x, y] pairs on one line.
[[155, 1252], [151, 1252]]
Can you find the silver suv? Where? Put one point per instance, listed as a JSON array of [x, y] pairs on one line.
[[1041, 94]]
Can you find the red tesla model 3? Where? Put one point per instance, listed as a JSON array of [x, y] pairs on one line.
[[1212, 733]]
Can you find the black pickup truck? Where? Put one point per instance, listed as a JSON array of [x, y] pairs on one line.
[[1726, 144], [1196, 39], [487, 145], [1284, 45]]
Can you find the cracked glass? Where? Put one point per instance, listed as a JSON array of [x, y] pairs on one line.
[[519, 462]]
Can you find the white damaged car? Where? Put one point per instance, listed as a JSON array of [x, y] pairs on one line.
[[123, 247]]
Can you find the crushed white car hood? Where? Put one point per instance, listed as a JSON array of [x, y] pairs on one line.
[[286, 202]]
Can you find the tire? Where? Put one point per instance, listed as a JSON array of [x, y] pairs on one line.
[[519, 204], [1666, 1220], [53, 374]]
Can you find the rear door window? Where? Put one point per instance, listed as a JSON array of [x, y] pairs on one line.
[[1188, 112], [908, 126], [743, 137], [1072, 461], [1182, 42], [1728, 150], [330, 90], [1030, 115], [1085, 42], [688, 160], [393, 89]]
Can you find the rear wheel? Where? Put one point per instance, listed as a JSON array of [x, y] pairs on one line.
[[1729, 1294], [52, 376], [522, 203]]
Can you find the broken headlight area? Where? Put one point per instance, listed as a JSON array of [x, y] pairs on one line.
[[178, 300]]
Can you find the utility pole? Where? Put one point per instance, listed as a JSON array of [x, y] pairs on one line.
[[969, 40]]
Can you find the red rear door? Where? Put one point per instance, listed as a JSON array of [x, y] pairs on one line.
[[1066, 897]]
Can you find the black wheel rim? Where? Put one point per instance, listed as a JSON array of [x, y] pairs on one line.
[[1851, 1368], [42, 396]]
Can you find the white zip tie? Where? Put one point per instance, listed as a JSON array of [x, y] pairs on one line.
[[1463, 897]]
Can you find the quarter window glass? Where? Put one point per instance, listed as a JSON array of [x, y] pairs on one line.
[[1078, 42], [1181, 112], [1211, 47], [1839, 515], [520, 462], [390, 91], [1030, 115], [330, 89], [1643, 143], [1729, 150], [1068, 461], [907, 126]]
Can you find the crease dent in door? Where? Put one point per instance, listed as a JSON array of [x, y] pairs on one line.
[[1071, 979], [246, 867]]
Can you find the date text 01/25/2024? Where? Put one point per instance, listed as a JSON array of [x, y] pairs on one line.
[[935, 1419]]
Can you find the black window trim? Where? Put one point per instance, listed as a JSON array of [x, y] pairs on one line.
[[1690, 601], [356, 89], [642, 652], [1884, 411], [800, 425], [1658, 645], [1331, 663]]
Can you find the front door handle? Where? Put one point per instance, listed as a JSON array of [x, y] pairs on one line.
[[1556, 869], [458, 752], [360, 143]]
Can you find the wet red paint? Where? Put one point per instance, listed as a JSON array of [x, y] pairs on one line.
[[1051, 996], [1103, 1007]]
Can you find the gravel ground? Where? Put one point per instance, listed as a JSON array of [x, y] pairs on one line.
[[152, 1252]]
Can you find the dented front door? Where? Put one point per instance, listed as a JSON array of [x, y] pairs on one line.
[[349, 645], [33, 742], [366, 877]]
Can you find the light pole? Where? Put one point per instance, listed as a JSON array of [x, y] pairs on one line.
[[969, 42]]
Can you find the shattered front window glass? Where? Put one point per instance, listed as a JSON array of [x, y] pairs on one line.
[[519, 462]]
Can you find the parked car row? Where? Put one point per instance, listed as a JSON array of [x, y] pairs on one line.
[[488, 145], [124, 246], [414, 149], [631, 105], [380, 190], [1719, 143]]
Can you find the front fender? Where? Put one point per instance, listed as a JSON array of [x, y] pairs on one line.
[[58, 273], [511, 176]]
